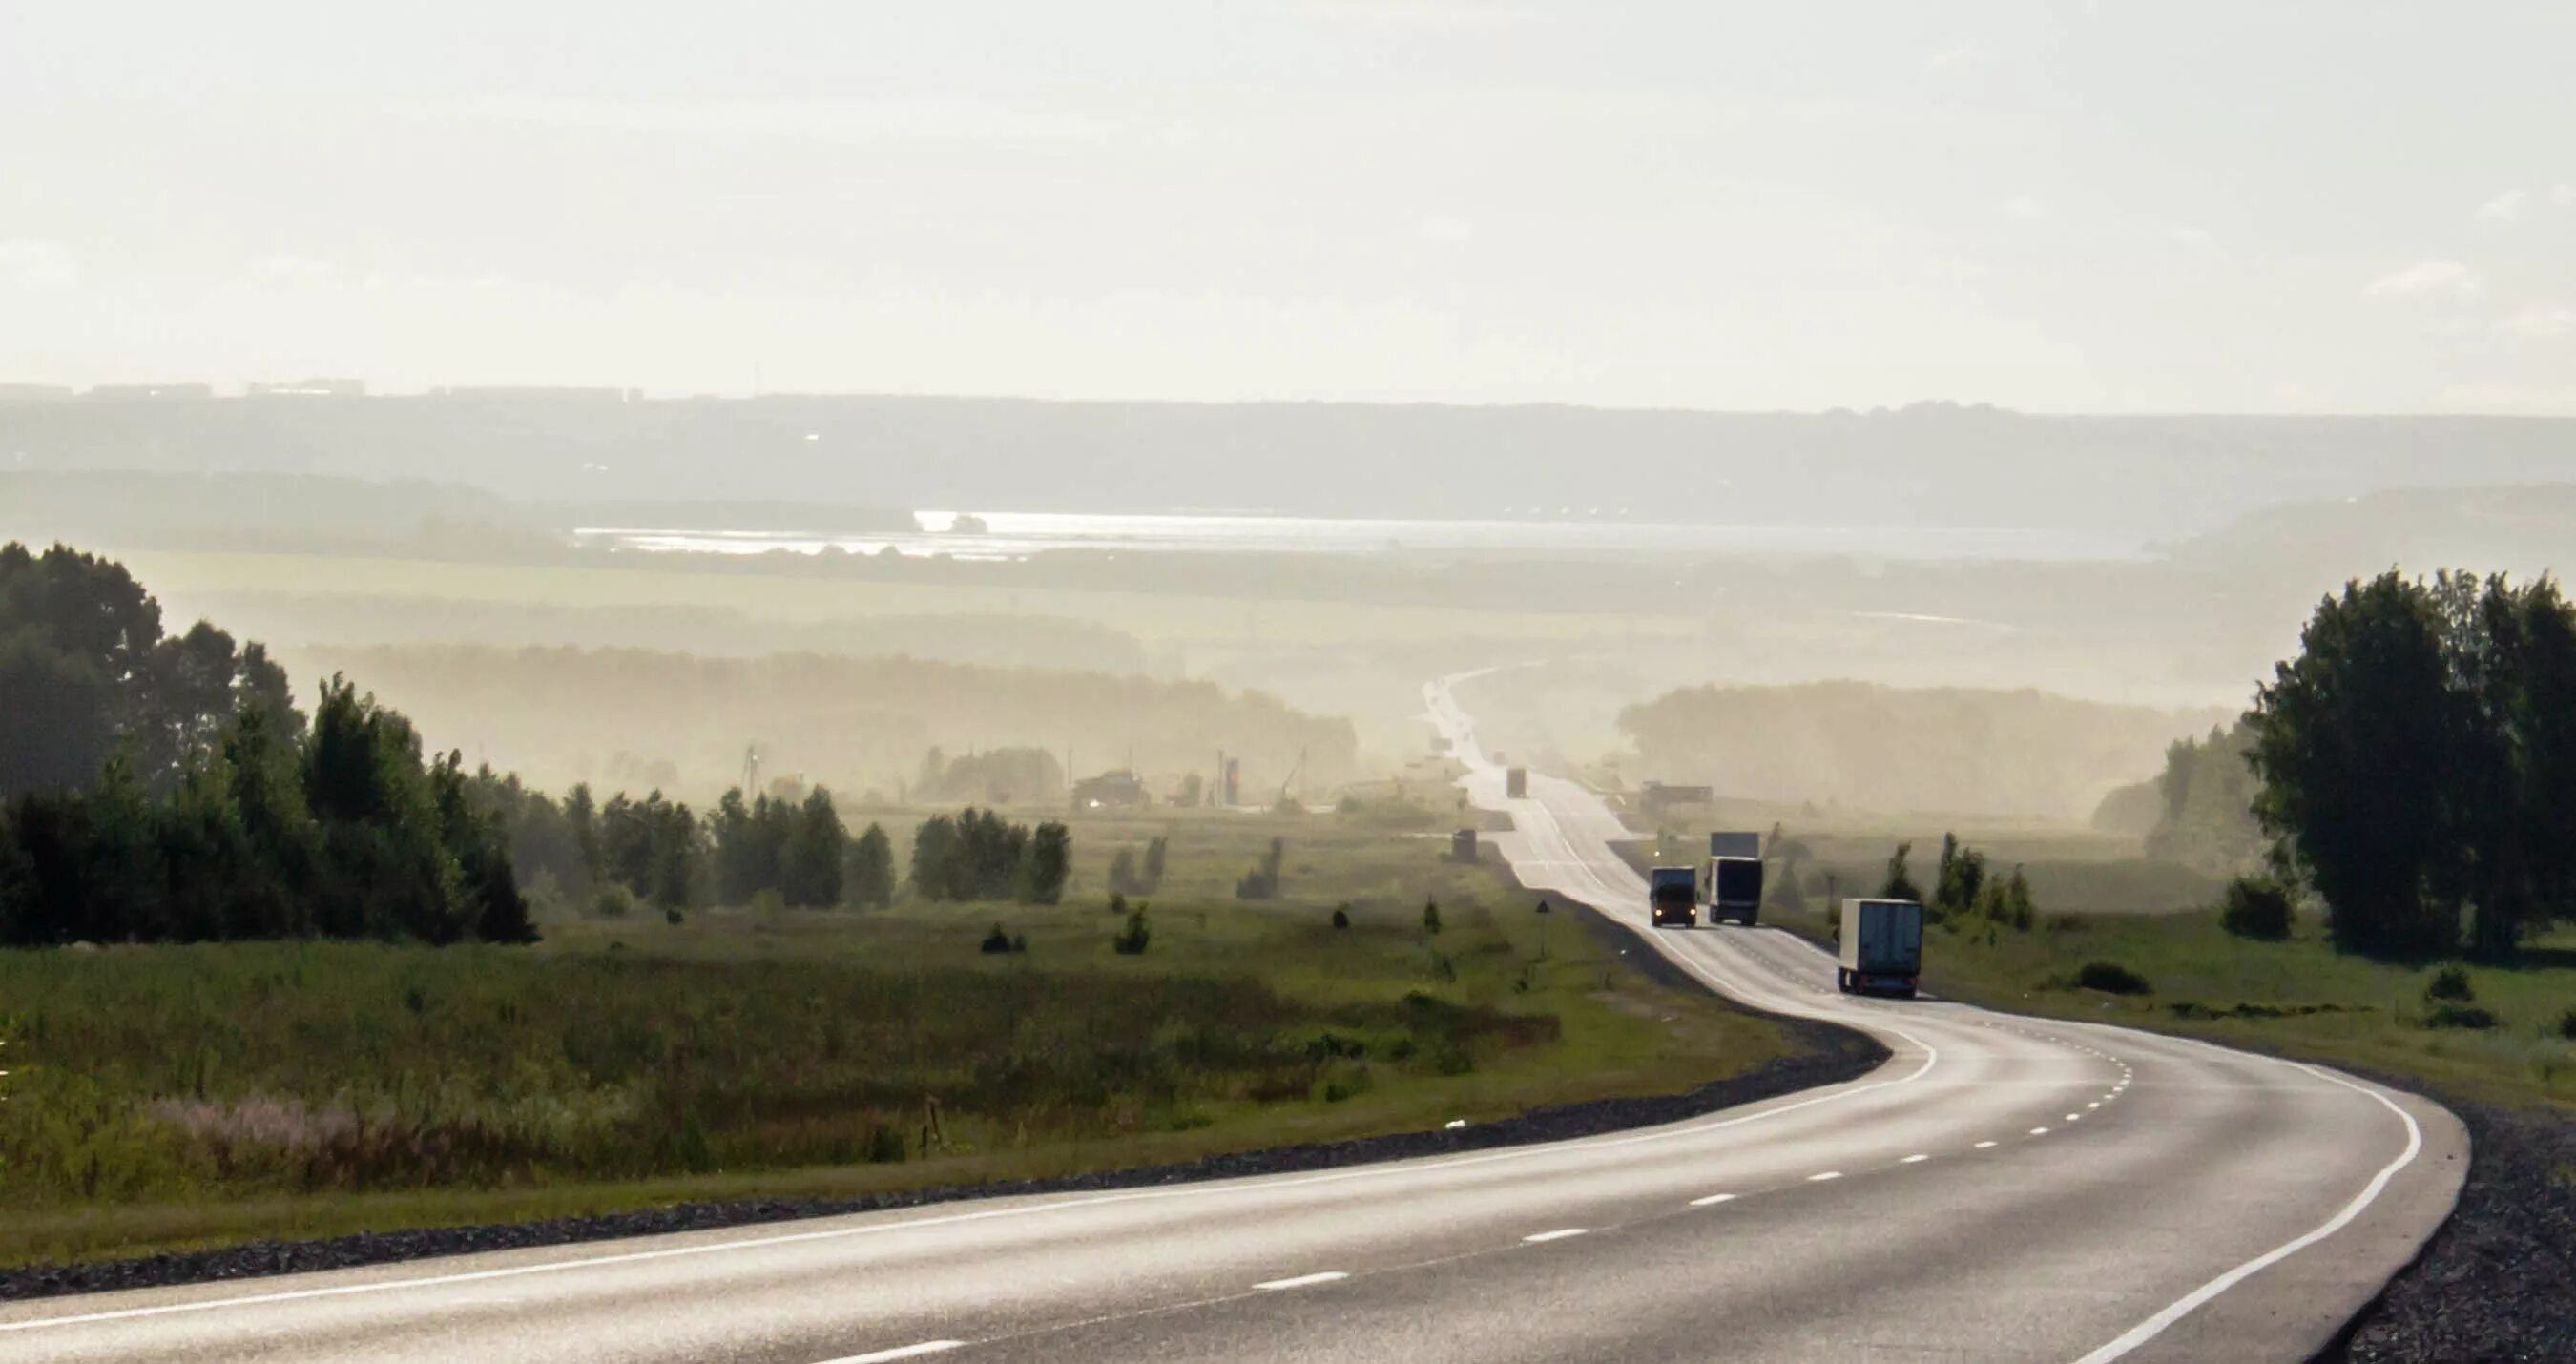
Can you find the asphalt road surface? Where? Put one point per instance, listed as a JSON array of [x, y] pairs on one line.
[[2002, 1189]]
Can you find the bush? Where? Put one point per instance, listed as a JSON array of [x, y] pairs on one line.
[[1262, 882], [1430, 916], [2451, 983], [885, 1145], [1132, 939], [612, 901], [996, 942], [2257, 907], [2567, 1025], [1342, 916], [2460, 1016], [674, 916], [2111, 978]]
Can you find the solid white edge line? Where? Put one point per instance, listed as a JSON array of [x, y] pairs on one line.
[[927, 1347], [1302, 1281], [1559, 1234], [2153, 1326]]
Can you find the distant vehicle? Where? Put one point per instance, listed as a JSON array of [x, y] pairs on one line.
[[1735, 843], [1731, 887], [1516, 783], [1882, 947], [1672, 897]]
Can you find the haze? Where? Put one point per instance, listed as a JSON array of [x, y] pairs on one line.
[[2305, 207]]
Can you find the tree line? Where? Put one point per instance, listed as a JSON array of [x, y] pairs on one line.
[[978, 855], [165, 788], [2415, 765]]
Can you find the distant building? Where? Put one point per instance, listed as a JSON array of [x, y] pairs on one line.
[[1120, 789], [312, 388], [149, 392], [524, 392], [35, 393], [1655, 795]]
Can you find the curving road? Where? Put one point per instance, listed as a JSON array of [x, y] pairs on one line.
[[2001, 1189]]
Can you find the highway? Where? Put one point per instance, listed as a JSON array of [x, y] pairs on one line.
[[2001, 1189]]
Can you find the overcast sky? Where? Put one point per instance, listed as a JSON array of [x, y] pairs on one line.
[[2293, 205]]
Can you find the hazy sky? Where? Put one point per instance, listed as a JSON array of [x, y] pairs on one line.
[[2307, 205]]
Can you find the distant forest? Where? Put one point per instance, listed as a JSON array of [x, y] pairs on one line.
[[637, 718], [1865, 746], [1935, 464]]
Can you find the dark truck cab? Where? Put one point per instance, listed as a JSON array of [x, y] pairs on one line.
[[1672, 897]]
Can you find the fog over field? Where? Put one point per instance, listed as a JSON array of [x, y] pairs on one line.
[[840, 387]]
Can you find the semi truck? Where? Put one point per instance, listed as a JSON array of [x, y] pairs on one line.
[[1672, 898], [1516, 783], [1731, 887], [1882, 948]]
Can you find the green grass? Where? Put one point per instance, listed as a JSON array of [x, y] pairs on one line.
[[2297, 998], [173, 1097]]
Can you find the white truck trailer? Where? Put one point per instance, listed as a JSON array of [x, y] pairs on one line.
[[1882, 948]]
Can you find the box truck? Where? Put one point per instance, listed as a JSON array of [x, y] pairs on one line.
[[1516, 782], [1882, 945], [1672, 897], [1731, 887]]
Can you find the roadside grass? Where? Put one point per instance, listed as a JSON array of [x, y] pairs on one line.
[[2070, 872], [2298, 998], [181, 1097]]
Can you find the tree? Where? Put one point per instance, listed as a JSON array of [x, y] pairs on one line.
[[2361, 744], [1899, 884], [870, 881], [1048, 860], [1430, 916], [1958, 887], [1123, 877], [817, 845], [1154, 855]]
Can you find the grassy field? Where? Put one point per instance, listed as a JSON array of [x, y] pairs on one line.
[[171, 1097], [178, 576], [2297, 998]]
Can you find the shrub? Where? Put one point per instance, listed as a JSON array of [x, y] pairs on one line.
[[1132, 939], [2451, 983], [996, 942], [612, 901], [1430, 916], [1262, 882], [2567, 1025], [2111, 978], [2459, 1016], [674, 915], [2256, 907], [885, 1145], [1118, 903], [1341, 916]]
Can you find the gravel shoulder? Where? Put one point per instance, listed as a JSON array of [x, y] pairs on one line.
[[1824, 1055], [2498, 1281]]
